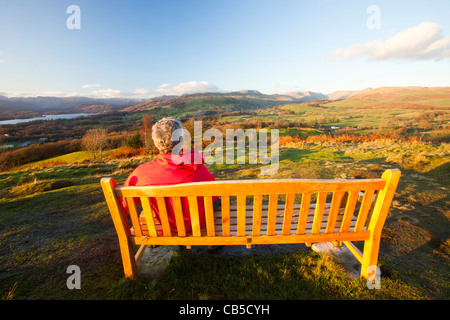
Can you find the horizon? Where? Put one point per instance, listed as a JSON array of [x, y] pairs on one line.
[[143, 49], [220, 92]]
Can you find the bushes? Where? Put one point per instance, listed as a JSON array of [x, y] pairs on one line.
[[36, 152], [124, 153]]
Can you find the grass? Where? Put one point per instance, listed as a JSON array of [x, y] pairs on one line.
[[54, 217]]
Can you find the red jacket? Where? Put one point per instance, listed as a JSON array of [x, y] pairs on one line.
[[163, 171]]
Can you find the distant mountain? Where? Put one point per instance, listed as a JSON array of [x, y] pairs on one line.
[[216, 102], [418, 98], [307, 95], [207, 102], [341, 94], [25, 107]]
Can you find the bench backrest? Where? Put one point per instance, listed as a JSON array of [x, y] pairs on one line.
[[259, 208]]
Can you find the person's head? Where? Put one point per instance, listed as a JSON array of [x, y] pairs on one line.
[[162, 132]]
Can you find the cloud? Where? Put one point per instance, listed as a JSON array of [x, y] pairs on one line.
[[185, 88], [423, 42], [1, 54], [164, 89], [107, 93], [91, 86]]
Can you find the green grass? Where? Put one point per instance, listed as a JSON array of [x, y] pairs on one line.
[[54, 217]]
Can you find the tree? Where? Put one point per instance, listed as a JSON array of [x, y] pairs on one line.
[[94, 142], [147, 127], [134, 141], [149, 145]]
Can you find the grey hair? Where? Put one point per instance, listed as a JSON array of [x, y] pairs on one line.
[[162, 132]]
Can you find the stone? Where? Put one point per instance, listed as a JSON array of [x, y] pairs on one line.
[[154, 261], [341, 255]]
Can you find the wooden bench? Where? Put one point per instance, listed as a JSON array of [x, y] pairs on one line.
[[257, 212]]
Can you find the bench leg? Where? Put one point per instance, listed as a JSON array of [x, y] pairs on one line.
[[370, 256], [128, 259]]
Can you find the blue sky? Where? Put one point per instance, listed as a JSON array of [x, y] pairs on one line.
[[142, 49]]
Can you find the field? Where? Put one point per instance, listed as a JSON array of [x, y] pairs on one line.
[[55, 216]]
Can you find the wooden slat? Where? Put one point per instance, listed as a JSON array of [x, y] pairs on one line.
[[278, 225], [195, 219], [257, 208], [288, 211], [134, 217], [366, 204], [148, 214], [209, 216], [179, 218], [225, 216], [334, 208], [272, 214], [241, 215], [349, 210], [351, 236], [261, 187], [162, 210], [320, 206], [303, 214]]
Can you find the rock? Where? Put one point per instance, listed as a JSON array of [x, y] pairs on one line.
[[341, 255], [154, 261]]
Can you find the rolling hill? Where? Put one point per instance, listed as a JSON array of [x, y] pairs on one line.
[[218, 102]]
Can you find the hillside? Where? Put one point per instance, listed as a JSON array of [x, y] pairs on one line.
[[399, 97], [216, 102]]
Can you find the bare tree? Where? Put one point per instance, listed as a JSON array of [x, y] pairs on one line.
[[95, 142]]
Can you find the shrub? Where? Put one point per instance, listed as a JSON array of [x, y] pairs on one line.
[[125, 153], [134, 141]]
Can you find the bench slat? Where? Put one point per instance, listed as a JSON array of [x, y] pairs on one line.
[[305, 238], [134, 216], [271, 214], [209, 216], [288, 211], [148, 214], [303, 213], [179, 218], [241, 215], [162, 210], [349, 210], [334, 209], [257, 211], [195, 219], [226, 215], [250, 187], [318, 214], [366, 205]]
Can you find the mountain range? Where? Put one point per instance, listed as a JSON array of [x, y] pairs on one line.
[[16, 107]]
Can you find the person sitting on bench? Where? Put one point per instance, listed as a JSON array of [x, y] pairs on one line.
[[164, 171]]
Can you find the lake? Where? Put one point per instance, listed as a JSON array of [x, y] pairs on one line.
[[48, 117]]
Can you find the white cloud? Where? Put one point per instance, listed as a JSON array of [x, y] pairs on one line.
[[1, 54], [185, 88], [91, 86], [138, 93], [164, 89], [107, 93], [423, 42]]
